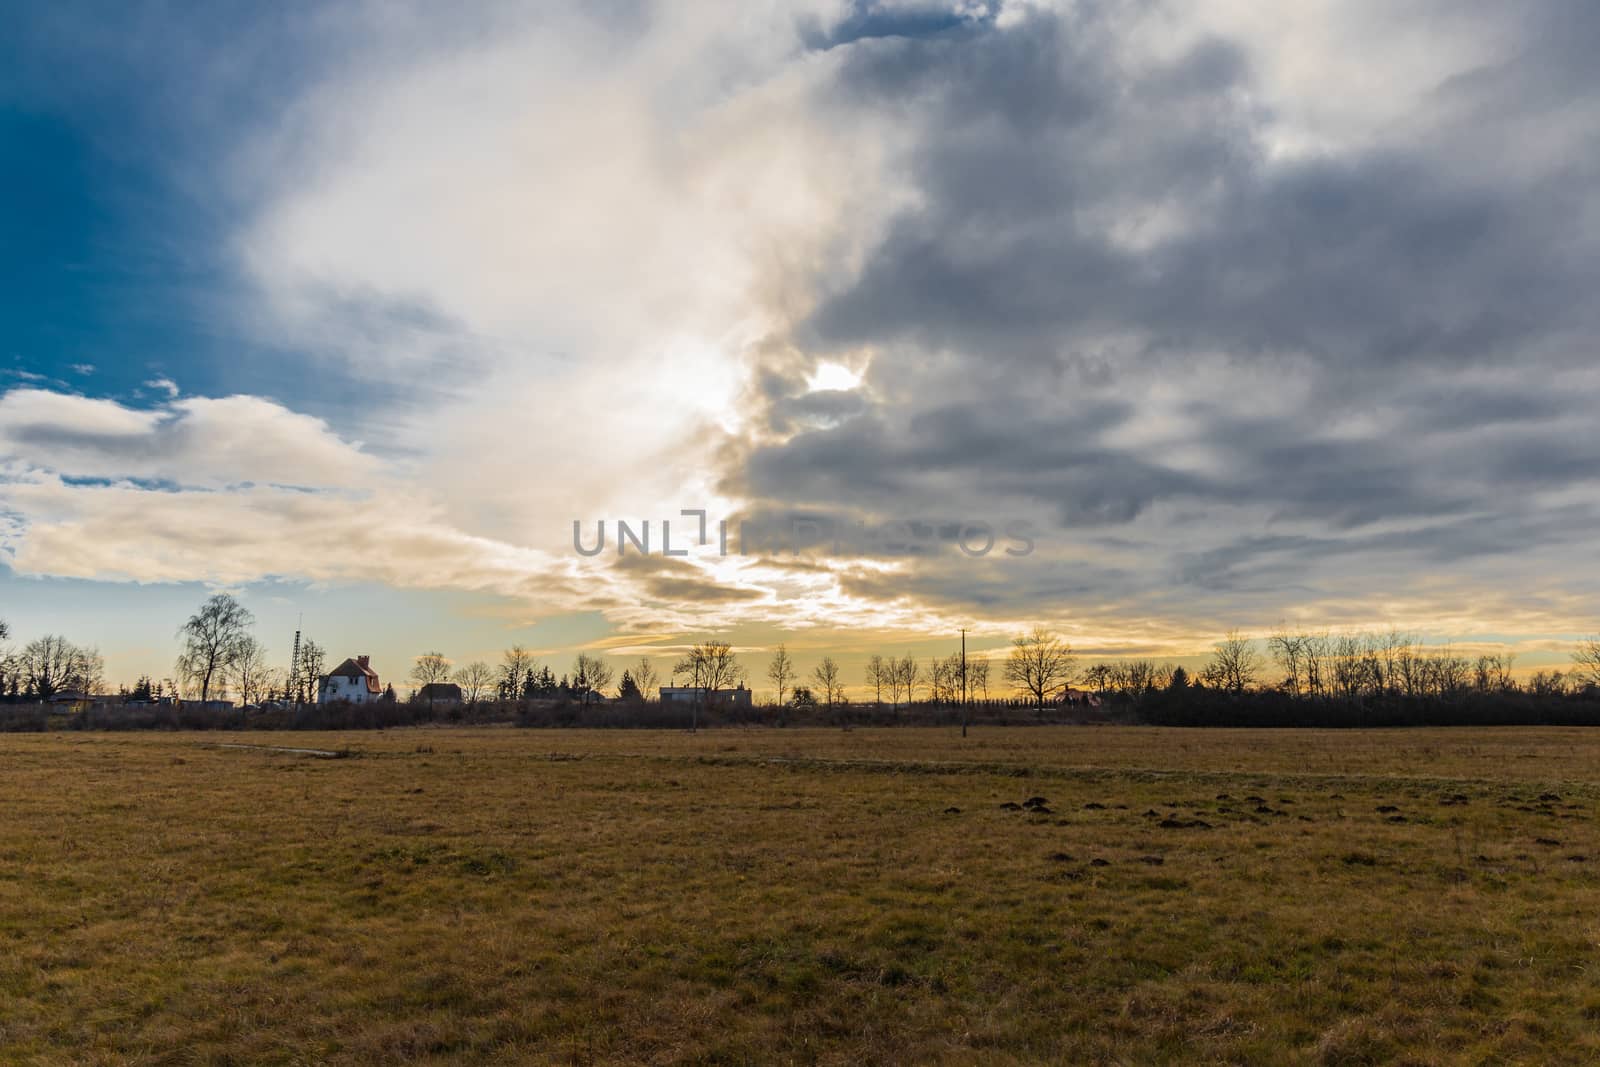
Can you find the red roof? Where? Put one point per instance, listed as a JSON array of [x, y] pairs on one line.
[[357, 668]]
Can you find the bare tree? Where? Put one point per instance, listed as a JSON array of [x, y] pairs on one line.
[[826, 675], [430, 668], [722, 669], [51, 665], [1234, 664], [956, 668], [938, 680], [515, 663], [1390, 648], [957, 672], [274, 680], [780, 672], [250, 670], [1039, 664], [646, 678], [212, 640], [474, 679], [1549, 684], [1493, 672], [91, 671], [601, 674], [1136, 676], [1099, 677], [909, 671], [312, 661], [10, 664], [711, 667], [876, 677], [1586, 661], [1446, 673], [978, 677], [945, 678], [1289, 650], [591, 674], [1349, 671]]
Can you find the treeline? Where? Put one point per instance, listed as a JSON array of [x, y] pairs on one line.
[[1198, 706], [554, 713], [1311, 678], [1351, 667], [1289, 677], [373, 715], [46, 667], [1180, 704]]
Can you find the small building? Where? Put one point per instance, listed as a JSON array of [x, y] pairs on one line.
[[688, 695], [439, 693], [354, 680]]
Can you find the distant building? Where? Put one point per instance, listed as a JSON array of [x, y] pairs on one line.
[[687, 695], [353, 680], [439, 693], [1079, 698]]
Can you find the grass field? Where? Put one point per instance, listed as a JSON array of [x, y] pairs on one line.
[[768, 896]]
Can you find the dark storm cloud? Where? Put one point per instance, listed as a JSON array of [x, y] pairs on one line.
[[698, 591], [822, 408], [1049, 457], [1268, 563], [1040, 149], [1396, 332], [675, 581]]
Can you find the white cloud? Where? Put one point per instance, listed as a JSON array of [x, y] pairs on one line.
[[571, 232], [198, 441], [401, 539]]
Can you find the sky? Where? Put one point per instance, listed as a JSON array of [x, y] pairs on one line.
[[1215, 315]]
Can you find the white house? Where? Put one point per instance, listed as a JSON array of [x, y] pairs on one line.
[[352, 680]]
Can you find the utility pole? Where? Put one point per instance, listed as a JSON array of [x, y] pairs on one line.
[[963, 681]]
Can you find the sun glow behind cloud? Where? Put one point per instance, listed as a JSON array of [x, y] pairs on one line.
[[832, 377]]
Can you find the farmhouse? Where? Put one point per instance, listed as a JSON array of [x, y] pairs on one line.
[[353, 680], [686, 695], [439, 693]]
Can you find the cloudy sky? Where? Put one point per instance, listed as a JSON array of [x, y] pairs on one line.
[[1244, 313]]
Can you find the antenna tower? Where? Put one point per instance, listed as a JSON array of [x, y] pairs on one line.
[[294, 663]]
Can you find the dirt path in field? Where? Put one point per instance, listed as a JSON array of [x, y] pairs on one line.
[[314, 753]]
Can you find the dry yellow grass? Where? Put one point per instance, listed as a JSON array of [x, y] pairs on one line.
[[801, 897]]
